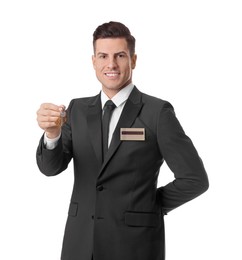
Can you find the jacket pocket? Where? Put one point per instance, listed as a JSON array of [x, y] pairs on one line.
[[142, 219], [73, 208]]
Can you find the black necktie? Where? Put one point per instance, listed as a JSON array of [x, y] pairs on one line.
[[108, 109]]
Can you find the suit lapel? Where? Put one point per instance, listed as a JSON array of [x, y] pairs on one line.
[[128, 116], [94, 115]]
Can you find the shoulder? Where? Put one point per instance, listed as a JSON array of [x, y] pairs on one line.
[[147, 100], [84, 101], [153, 100], [155, 103]]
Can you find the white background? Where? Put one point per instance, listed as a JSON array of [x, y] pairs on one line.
[[189, 52]]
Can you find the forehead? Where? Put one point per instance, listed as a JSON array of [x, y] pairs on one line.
[[111, 45]]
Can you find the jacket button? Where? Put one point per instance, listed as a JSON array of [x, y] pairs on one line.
[[100, 188]]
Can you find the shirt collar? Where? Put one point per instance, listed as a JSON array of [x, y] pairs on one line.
[[120, 97]]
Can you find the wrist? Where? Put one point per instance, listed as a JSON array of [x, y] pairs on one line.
[[52, 135]]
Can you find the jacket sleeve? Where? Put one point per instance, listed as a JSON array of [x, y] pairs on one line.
[[190, 177], [53, 162]]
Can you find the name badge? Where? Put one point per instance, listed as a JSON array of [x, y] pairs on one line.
[[132, 134]]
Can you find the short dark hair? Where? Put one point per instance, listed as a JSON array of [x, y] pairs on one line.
[[114, 30]]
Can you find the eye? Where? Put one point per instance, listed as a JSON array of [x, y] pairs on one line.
[[102, 56], [121, 55]]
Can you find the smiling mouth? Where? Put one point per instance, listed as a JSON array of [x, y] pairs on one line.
[[112, 74]]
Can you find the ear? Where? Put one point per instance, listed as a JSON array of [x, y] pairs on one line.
[[94, 61], [133, 61]]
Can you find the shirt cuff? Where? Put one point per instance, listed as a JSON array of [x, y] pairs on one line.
[[51, 143]]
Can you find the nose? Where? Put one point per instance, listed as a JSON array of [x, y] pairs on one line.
[[112, 63]]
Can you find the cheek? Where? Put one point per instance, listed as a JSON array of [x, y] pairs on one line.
[[98, 66], [129, 70]]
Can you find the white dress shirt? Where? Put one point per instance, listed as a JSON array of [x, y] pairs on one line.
[[119, 100]]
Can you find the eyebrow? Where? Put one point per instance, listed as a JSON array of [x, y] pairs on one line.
[[117, 53]]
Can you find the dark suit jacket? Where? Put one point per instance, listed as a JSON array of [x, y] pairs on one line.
[[116, 210]]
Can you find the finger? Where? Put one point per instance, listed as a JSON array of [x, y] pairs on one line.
[[51, 116], [62, 107], [49, 106], [50, 113], [45, 122], [50, 121], [48, 109], [46, 126]]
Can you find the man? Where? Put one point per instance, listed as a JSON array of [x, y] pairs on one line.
[[116, 209]]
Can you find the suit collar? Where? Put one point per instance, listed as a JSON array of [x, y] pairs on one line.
[[120, 97], [94, 117], [129, 114]]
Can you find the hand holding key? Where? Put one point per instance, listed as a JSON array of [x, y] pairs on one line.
[[50, 118]]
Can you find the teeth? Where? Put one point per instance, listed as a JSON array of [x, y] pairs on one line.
[[111, 74]]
